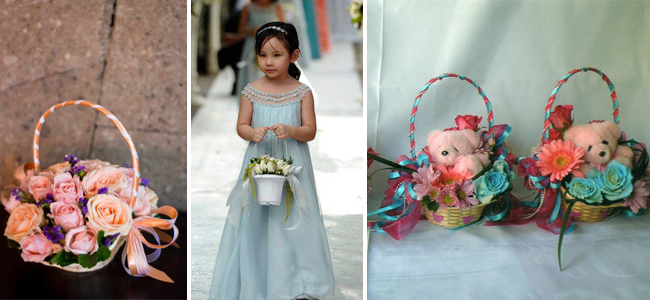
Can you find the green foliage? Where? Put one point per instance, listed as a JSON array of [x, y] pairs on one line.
[[63, 259], [12, 244], [90, 260], [100, 237]]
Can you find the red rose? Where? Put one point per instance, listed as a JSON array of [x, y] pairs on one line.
[[561, 117], [553, 135], [468, 122]]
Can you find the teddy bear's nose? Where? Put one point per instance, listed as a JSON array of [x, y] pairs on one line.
[[602, 154]]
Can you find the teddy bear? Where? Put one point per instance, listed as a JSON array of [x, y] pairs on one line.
[[456, 148], [600, 142]]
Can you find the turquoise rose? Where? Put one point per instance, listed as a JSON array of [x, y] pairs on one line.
[[616, 181], [586, 189], [490, 184], [503, 167]]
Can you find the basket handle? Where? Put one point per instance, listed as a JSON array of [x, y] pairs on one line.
[[426, 87], [116, 122], [563, 80]]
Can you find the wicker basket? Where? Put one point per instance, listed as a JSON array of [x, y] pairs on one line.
[[115, 247], [451, 217], [589, 213]]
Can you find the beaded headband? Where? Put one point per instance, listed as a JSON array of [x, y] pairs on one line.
[[273, 27]]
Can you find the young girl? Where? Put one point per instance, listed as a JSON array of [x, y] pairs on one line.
[[253, 16], [262, 255]]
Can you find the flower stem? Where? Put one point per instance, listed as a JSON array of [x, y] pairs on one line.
[[564, 221]]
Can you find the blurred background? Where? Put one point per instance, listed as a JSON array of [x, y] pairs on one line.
[[331, 64]]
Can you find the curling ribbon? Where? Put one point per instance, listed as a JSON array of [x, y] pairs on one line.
[[134, 256]]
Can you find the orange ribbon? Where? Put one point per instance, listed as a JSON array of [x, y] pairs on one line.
[[138, 262]]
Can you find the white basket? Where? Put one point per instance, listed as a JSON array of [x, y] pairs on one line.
[[77, 268], [269, 189]]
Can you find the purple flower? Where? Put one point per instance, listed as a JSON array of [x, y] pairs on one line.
[[53, 234], [48, 199], [71, 159], [103, 190], [16, 192], [78, 169], [84, 206], [126, 165], [144, 181], [109, 239]]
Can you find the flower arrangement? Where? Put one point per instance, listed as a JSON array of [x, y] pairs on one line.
[[74, 212], [75, 215], [356, 12], [589, 172], [270, 174]]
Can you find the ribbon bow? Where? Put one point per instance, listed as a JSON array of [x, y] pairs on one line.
[[138, 262]]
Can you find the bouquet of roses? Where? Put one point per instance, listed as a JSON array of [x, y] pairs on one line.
[[271, 174], [75, 212]]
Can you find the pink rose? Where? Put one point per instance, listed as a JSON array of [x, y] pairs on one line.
[[68, 216], [59, 168], [109, 213], [561, 117], [67, 189], [37, 247], [468, 122], [110, 177], [373, 152], [81, 240], [144, 202], [92, 165], [39, 186], [24, 220], [24, 177]]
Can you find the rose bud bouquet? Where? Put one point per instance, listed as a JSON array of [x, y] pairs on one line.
[[76, 215]]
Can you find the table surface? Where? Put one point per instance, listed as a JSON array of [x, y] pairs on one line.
[[604, 260], [20, 279]]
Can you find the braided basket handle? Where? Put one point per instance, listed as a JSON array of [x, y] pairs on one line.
[[426, 87], [116, 122], [563, 80]]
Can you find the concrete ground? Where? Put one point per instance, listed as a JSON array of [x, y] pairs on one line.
[[337, 158]]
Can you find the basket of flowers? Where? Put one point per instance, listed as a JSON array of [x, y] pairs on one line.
[[270, 176], [462, 171], [588, 172], [77, 214]]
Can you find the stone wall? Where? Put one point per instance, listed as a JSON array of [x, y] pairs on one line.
[[128, 56]]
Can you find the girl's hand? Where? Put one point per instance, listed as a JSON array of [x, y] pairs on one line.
[[282, 131], [259, 134]]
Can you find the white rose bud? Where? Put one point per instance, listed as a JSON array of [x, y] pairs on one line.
[[285, 170], [258, 169], [280, 164], [270, 167]]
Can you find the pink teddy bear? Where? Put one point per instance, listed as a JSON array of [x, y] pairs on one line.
[[456, 148], [600, 142]]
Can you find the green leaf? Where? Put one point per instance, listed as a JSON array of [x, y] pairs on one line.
[[100, 237], [12, 244], [103, 253], [389, 163], [559, 244], [433, 206], [55, 259], [87, 261], [63, 259]]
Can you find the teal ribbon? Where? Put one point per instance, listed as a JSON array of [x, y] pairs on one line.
[[558, 201], [630, 213], [501, 140]]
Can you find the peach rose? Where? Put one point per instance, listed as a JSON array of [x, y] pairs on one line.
[[10, 202], [110, 177], [109, 213], [67, 189], [37, 247], [92, 165], [39, 186], [59, 168], [68, 216], [24, 184], [81, 240], [24, 219]]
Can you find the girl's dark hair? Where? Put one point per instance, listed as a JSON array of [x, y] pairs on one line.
[[289, 40]]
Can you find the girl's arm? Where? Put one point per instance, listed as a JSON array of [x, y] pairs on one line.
[[279, 13], [244, 128], [243, 23], [307, 131]]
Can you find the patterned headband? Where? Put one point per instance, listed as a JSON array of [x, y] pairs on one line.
[[273, 27]]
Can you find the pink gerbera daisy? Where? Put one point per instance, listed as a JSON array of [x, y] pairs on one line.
[[639, 197], [426, 179], [559, 158], [465, 194], [447, 197]]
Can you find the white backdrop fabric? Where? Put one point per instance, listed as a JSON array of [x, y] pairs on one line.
[[516, 51]]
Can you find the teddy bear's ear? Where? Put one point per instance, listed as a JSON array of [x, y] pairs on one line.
[[472, 137], [572, 133], [432, 136], [611, 129]]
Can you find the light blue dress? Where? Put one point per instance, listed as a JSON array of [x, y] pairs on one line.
[[258, 257]]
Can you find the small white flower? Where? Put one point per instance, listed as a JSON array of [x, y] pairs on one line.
[[270, 166], [285, 170], [280, 164], [258, 169]]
